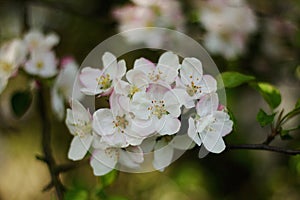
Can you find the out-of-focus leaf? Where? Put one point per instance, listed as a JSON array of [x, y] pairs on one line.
[[284, 135], [232, 117], [117, 198], [20, 102], [77, 194], [270, 93], [297, 104], [234, 79], [109, 178], [263, 118]]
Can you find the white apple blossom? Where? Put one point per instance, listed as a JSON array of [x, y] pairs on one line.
[[193, 83], [79, 123], [96, 81], [228, 24], [159, 105], [42, 63], [104, 159], [210, 124], [12, 55], [62, 89], [143, 14], [164, 73], [37, 41], [116, 126]]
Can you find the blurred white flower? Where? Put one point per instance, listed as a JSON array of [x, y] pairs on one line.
[[153, 13], [79, 123], [37, 41], [42, 63], [228, 24], [62, 89], [96, 81], [12, 55], [210, 124]]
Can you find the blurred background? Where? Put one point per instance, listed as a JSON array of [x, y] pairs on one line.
[[259, 38]]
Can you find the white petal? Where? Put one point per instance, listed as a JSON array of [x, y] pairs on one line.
[[109, 61], [163, 155], [79, 147], [88, 78], [138, 78], [191, 70], [103, 122], [168, 125], [212, 141], [51, 40], [144, 65], [80, 113], [172, 103], [168, 64], [192, 132], [131, 157], [207, 104], [182, 142], [57, 102], [148, 144], [104, 161], [121, 69], [208, 84], [117, 139]]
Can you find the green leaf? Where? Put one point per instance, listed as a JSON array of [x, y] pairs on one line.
[[284, 135], [234, 79], [109, 178], [20, 102], [297, 104], [117, 198], [77, 194], [270, 93], [263, 118], [232, 117]]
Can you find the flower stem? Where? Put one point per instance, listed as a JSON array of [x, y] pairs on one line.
[[43, 95]]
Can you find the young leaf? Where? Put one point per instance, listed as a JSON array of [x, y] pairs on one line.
[[284, 135], [263, 118], [20, 102], [234, 79], [109, 178], [270, 93]]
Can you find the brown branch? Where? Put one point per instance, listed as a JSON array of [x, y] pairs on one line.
[[48, 158], [264, 147]]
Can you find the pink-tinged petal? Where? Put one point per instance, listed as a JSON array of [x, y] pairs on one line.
[[182, 142], [172, 103], [144, 65], [79, 147], [208, 84], [131, 157], [103, 122], [88, 78], [192, 132], [163, 155], [207, 104], [138, 78], [168, 65], [110, 65], [122, 87], [191, 70], [104, 161], [143, 128], [212, 141], [121, 69], [157, 91], [168, 125]]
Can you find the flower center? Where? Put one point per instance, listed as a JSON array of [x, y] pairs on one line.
[[82, 128], [133, 90], [104, 81], [121, 122], [155, 76], [158, 108], [39, 64], [5, 66], [192, 89]]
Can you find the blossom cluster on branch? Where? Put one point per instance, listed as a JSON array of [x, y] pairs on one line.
[[147, 108]]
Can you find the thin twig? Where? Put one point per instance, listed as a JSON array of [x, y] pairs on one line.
[[263, 147], [46, 141]]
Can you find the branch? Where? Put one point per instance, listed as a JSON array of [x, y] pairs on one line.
[[263, 147], [43, 94]]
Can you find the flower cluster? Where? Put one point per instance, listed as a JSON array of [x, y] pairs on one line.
[[147, 107], [145, 13], [228, 24], [35, 55]]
